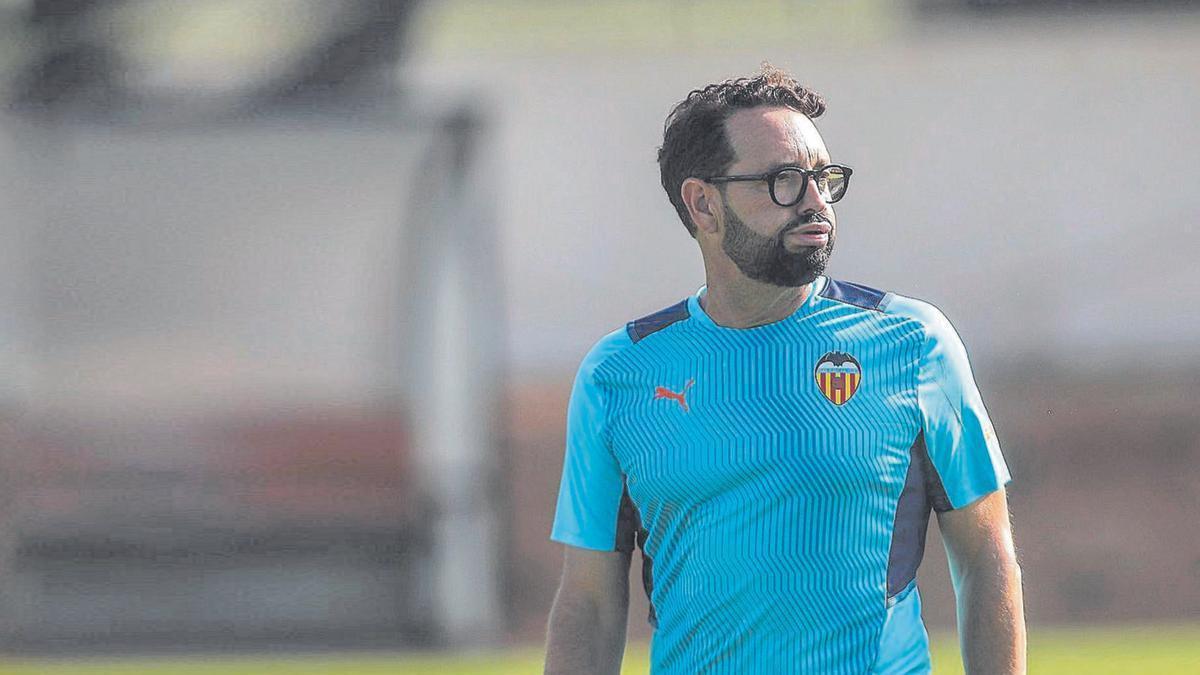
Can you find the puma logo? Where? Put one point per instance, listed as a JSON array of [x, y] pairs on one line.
[[678, 397]]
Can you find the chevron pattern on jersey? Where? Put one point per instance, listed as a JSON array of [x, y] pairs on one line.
[[778, 479], [769, 510]]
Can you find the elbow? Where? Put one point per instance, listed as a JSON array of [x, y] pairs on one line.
[[586, 607], [1006, 561]]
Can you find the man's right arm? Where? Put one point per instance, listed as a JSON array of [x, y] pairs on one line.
[[586, 635], [587, 623]]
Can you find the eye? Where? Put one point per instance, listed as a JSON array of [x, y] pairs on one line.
[[789, 186], [788, 179]]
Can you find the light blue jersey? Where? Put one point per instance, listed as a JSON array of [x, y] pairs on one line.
[[778, 479]]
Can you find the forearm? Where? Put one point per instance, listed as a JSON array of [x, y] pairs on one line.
[[991, 618], [586, 637]]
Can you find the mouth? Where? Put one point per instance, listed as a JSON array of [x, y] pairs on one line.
[[815, 227], [810, 234]]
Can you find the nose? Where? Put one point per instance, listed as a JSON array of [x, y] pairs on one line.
[[813, 201]]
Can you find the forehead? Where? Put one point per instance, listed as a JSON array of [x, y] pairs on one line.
[[766, 137]]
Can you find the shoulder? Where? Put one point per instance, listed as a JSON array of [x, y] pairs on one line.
[[855, 295], [613, 343], [630, 334], [923, 313], [941, 342], [639, 329]]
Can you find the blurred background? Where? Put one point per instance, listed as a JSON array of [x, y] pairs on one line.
[[292, 293]]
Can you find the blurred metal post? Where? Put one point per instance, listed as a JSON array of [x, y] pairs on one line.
[[454, 326]]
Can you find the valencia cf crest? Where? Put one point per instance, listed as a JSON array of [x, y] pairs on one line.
[[838, 376]]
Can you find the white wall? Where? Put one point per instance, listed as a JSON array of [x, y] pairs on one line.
[[1036, 178]]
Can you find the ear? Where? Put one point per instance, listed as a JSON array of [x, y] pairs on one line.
[[700, 199]]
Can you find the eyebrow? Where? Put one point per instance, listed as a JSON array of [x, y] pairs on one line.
[[785, 165]]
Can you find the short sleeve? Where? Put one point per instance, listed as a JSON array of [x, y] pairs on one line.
[[958, 433], [592, 491]]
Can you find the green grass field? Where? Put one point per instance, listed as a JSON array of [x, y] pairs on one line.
[[1161, 650]]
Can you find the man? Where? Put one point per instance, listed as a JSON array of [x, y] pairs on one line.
[[775, 443]]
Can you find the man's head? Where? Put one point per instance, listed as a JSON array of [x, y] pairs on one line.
[[743, 128]]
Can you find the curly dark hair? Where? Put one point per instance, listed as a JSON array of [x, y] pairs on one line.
[[694, 139]]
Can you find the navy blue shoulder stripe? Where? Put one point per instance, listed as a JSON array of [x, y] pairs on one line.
[[855, 294], [648, 325]]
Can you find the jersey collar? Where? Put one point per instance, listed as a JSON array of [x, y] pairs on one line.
[[697, 312]]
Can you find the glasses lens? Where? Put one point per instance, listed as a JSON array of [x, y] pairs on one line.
[[832, 183], [788, 187]]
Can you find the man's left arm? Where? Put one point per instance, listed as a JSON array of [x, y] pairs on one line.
[[987, 584], [966, 488]]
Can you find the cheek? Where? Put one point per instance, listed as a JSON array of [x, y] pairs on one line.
[[771, 219], [762, 221]]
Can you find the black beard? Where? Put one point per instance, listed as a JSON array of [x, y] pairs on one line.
[[766, 259]]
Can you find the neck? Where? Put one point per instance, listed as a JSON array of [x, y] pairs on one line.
[[744, 303]]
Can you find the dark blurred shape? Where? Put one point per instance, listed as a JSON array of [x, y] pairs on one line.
[[77, 75], [1047, 6], [72, 64], [352, 56], [82, 60], [43, 11]]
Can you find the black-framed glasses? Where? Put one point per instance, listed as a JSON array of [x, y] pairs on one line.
[[788, 184]]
